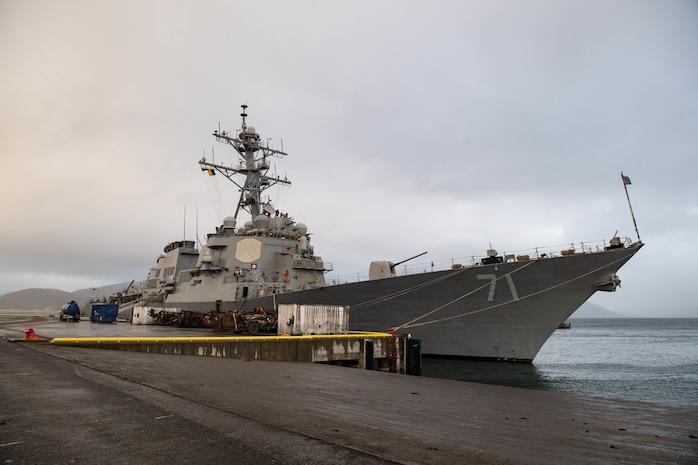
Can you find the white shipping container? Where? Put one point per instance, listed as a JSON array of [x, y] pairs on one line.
[[313, 319], [141, 315]]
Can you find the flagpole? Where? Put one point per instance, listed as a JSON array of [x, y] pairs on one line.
[[626, 181]]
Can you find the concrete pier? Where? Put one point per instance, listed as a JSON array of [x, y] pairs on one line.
[[361, 350], [62, 404]]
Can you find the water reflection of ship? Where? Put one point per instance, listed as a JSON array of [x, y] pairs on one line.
[[501, 307]]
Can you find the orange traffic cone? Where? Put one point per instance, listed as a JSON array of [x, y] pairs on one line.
[[29, 333]]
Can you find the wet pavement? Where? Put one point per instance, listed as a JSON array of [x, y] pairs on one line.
[[77, 405], [50, 327]]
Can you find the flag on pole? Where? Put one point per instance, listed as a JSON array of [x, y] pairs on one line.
[[210, 172], [626, 181]]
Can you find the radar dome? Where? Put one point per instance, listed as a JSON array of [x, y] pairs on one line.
[[251, 129], [261, 222], [229, 222], [301, 228], [249, 225]]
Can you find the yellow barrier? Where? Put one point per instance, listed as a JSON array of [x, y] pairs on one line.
[[126, 340], [35, 315]]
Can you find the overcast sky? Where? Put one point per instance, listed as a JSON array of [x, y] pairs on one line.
[[411, 126]]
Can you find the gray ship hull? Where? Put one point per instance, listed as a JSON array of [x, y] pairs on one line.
[[502, 311]]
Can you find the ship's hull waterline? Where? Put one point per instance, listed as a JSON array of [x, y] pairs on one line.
[[501, 311]]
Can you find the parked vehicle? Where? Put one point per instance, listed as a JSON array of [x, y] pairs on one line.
[[70, 312]]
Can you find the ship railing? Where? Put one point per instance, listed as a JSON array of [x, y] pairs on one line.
[[553, 251], [243, 168]]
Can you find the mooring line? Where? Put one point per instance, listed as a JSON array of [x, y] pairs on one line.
[[410, 324], [405, 291], [453, 317]]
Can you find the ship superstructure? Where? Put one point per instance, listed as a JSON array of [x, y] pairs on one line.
[[268, 254]]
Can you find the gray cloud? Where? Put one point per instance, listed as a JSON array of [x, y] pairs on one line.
[[411, 126]]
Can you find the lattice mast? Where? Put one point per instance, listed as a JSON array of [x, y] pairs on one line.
[[254, 166]]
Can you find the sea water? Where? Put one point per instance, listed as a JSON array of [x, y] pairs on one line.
[[645, 359]]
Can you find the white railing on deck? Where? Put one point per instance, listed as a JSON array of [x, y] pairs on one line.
[[473, 260]]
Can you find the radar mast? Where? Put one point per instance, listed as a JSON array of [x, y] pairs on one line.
[[253, 165]]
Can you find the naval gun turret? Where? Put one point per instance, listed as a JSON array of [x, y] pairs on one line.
[[386, 269]]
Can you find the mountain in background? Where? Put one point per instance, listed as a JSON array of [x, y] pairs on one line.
[[36, 299], [83, 295], [589, 310], [54, 299]]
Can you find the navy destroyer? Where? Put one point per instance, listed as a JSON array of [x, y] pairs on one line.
[[498, 307]]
